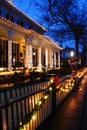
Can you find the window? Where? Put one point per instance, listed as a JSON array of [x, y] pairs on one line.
[[7, 16], [18, 22], [3, 15], [12, 19], [22, 23], [0, 12], [15, 21]]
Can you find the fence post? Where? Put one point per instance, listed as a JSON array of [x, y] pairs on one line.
[[54, 84], [1, 120], [53, 97]]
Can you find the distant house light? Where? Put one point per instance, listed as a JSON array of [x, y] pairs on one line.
[[72, 53]]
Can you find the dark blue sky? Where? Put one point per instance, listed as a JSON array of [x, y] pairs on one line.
[[29, 8]]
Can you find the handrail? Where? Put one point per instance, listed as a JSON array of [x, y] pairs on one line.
[[44, 68]]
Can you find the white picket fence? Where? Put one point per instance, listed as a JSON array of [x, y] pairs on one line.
[[18, 102]]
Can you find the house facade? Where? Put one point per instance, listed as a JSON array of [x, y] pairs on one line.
[[22, 43]]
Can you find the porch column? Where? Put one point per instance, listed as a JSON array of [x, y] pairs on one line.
[[54, 59], [46, 57], [52, 56], [28, 54], [39, 58], [58, 58], [50, 59], [10, 51]]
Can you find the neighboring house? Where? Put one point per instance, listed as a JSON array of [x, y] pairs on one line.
[[22, 43], [68, 53]]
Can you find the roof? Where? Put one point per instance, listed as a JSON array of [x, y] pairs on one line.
[[50, 40], [33, 23]]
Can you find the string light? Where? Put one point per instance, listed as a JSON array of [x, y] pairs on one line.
[[51, 80], [20, 123], [46, 96], [33, 117], [64, 87], [50, 88], [40, 102]]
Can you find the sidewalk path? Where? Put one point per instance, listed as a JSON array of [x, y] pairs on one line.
[[72, 114], [61, 79]]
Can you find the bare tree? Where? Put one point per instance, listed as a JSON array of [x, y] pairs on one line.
[[65, 19]]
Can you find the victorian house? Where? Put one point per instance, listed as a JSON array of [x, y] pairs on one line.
[[23, 43]]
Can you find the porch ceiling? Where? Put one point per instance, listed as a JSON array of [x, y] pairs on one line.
[[18, 33]]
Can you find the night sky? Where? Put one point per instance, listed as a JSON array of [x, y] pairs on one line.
[[30, 9]]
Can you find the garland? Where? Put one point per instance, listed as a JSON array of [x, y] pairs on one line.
[[48, 91], [31, 116]]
